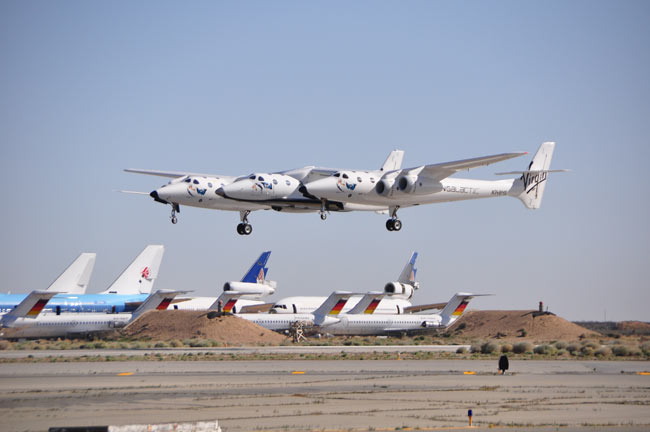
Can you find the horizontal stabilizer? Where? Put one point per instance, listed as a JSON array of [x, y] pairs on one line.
[[532, 172]]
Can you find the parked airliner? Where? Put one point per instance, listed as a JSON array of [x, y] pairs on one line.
[[27, 320], [396, 301], [126, 293]]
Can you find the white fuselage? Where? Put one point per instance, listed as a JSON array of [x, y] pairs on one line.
[[307, 304], [48, 325], [204, 303], [360, 187]]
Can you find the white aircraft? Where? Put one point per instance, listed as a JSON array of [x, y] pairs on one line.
[[75, 278], [428, 184], [27, 321], [140, 276], [396, 301], [360, 320], [240, 296], [283, 192]]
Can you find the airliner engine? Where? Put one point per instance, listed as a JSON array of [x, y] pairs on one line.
[[418, 185], [384, 186], [251, 290], [399, 290]]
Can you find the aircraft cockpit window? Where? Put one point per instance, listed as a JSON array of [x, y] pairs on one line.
[[345, 176], [195, 181], [275, 181], [187, 180], [288, 183], [252, 177], [336, 175], [359, 179], [260, 178]]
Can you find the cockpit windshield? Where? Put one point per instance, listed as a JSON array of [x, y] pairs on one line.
[[338, 174]]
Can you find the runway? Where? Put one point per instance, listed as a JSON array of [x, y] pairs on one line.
[[333, 395]]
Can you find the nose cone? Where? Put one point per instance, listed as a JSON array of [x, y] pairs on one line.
[[156, 196]]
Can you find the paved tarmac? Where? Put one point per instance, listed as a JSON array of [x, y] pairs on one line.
[[332, 395], [288, 349]]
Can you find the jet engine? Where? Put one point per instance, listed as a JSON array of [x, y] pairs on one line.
[[406, 184], [399, 290], [251, 290], [384, 186]]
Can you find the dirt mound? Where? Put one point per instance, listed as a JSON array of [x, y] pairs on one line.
[[179, 324], [515, 324], [632, 327]]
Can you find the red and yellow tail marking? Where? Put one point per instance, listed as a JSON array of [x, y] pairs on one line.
[[372, 306], [37, 308], [338, 306], [229, 305], [460, 309], [164, 304]]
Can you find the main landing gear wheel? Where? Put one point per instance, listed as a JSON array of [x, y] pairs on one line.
[[174, 220], [173, 217], [323, 216], [393, 225], [244, 229]]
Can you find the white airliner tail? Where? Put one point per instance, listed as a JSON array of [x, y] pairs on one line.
[[455, 308], [333, 304], [30, 307], [140, 275], [159, 300], [367, 304], [75, 278], [393, 161], [529, 188]]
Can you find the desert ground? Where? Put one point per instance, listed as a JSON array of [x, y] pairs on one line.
[[328, 395]]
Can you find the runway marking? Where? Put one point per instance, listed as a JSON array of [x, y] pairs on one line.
[[125, 374], [298, 373], [643, 373], [469, 373]]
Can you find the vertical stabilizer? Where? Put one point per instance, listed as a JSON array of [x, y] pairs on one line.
[[367, 304], [529, 188], [408, 274], [159, 300], [393, 161], [140, 275], [455, 308], [30, 307], [228, 301], [333, 305], [257, 272], [75, 278]]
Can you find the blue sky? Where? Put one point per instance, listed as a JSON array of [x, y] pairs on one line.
[[91, 88]]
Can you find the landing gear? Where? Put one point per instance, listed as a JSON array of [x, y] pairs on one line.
[[175, 209], [244, 228], [323, 209], [393, 224]]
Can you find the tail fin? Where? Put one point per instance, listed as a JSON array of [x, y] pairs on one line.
[[393, 161], [30, 307], [455, 308], [408, 274], [75, 278], [140, 275], [257, 272], [529, 188], [333, 304], [228, 301], [159, 300], [368, 303]]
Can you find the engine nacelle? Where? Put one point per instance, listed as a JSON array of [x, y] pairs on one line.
[[384, 186], [406, 184], [399, 290], [251, 290]]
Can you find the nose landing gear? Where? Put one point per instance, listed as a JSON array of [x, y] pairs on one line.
[[323, 209], [175, 209], [393, 224], [244, 228]]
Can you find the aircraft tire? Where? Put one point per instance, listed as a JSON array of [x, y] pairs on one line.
[[240, 229], [323, 216], [174, 220], [247, 229], [397, 225], [389, 225]]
